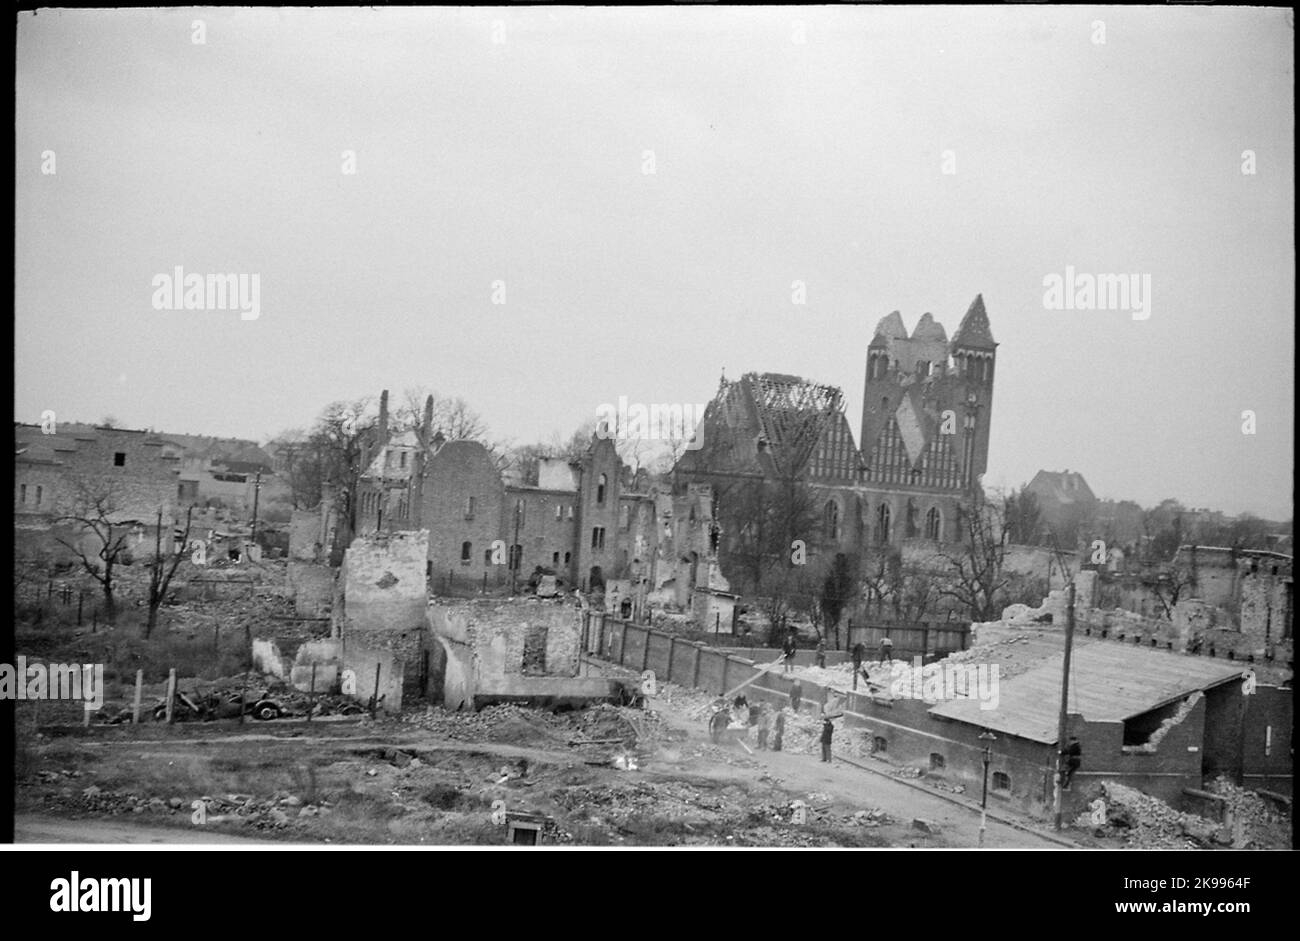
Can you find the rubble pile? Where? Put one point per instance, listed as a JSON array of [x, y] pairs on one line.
[[1257, 824], [1146, 822], [693, 703], [274, 813], [1011, 654], [502, 723]]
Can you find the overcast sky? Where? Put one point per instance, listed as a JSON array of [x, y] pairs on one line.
[[524, 161]]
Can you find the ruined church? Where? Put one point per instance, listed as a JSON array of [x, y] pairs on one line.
[[927, 408]]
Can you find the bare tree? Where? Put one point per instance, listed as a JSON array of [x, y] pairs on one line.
[[1024, 517], [971, 571], [907, 592], [95, 509], [300, 461], [1169, 585], [766, 520], [343, 440], [162, 569], [451, 416]]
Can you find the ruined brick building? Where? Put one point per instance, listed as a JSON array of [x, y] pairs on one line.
[[923, 447], [588, 521], [927, 408]]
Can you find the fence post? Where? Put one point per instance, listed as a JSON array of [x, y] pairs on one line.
[[139, 692], [672, 645], [622, 643], [695, 668], [645, 650], [374, 698], [171, 694], [725, 659]]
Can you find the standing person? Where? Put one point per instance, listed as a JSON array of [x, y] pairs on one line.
[[780, 730], [858, 653], [717, 723], [828, 731], [789, 648], [764, 724], [887, 650], [796, 695], [821, 653]]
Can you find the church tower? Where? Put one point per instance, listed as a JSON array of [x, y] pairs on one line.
[[973, 353]]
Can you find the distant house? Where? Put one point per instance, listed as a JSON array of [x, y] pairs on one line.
[[1065, 500], [55, 475], [224, 470]]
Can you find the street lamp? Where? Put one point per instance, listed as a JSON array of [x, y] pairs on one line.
[[988, 738]]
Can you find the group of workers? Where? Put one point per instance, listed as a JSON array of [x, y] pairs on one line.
[[767, 721], [740, 714]]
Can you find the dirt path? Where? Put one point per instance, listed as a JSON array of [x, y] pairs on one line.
[[34, 829]]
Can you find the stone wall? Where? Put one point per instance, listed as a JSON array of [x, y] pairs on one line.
[[384, 583], [517, 649]]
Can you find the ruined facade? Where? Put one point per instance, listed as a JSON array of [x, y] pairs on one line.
[[522, 651], [379, 615]]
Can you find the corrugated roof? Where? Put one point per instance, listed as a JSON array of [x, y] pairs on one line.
[[1109, 682]]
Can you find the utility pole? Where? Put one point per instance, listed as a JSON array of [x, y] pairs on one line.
[[1065, 698], [516, 557], [988, 738], [257, 492]]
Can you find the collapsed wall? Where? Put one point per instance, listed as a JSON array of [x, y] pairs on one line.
[[518, 651]]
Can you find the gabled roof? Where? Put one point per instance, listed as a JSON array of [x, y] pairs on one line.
[[1109, 682], [974, 331], [1062, 487]]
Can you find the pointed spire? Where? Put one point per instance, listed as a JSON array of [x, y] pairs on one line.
[[889, 328], [974, 331]]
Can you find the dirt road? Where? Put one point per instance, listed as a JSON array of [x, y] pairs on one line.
[[859, 789], [30, 828]]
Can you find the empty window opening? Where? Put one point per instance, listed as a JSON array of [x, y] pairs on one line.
[[534, 662]]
